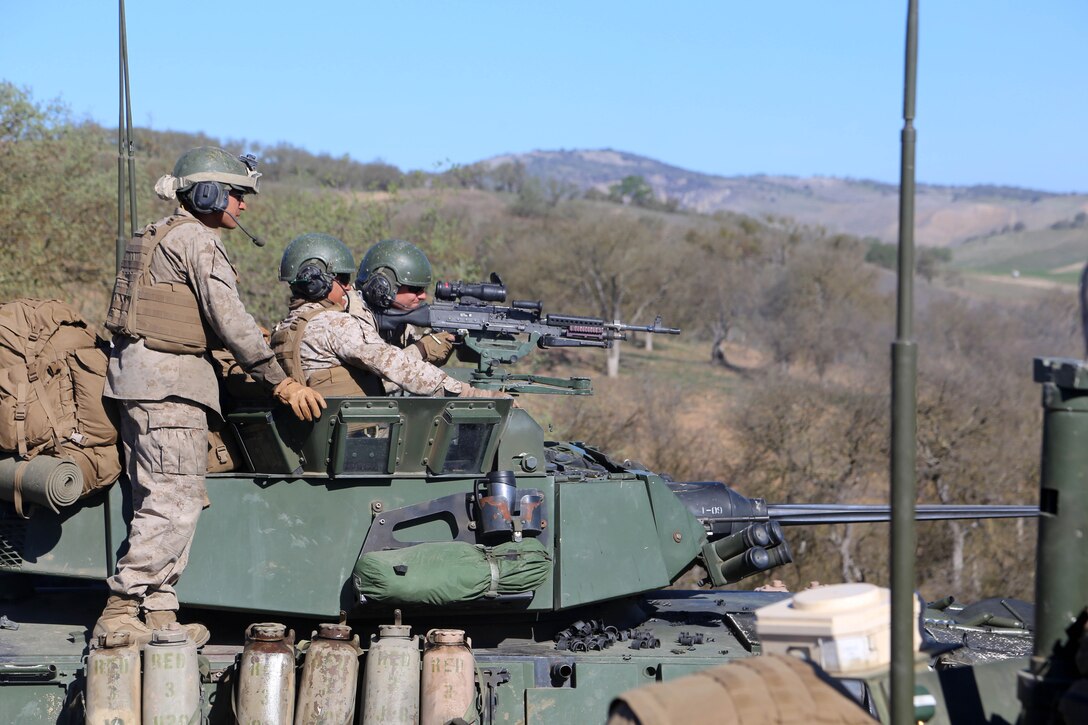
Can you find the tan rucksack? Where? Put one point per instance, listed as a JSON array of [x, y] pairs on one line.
[[52, 372]]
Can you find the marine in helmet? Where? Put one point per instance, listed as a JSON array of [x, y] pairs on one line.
[[396, 274], [329, 337], [175, 299]]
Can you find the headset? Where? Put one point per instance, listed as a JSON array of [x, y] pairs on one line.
[[312, 282], [379, 291], [209, 197]]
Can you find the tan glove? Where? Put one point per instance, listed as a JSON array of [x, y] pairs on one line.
[[467, 391], [306, 403], [436, 347]]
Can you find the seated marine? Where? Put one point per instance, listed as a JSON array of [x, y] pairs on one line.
[[330, 337]]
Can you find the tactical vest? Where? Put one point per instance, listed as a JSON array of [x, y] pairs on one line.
[[339, 381], [165, 315]]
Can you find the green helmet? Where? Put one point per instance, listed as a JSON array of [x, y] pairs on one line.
[[386, 266], [324, 251], [405, 262]]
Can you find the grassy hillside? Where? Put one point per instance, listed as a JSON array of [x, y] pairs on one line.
[[1050, 254]]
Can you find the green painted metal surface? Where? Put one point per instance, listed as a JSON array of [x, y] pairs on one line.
[[680, 535], [982, 694], [74, 543], [282, 546], [608, 542], [1061, 584]]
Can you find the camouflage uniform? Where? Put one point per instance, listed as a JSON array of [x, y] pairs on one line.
[[350, 337], [165, 398]]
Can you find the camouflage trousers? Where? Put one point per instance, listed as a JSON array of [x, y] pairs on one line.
[[166, 455]]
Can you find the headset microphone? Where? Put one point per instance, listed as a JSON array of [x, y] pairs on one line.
[[257, 241]]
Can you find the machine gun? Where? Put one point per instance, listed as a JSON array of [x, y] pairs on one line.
[[501, 335]]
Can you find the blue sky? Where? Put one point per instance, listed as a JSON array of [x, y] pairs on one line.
[[727, 87]]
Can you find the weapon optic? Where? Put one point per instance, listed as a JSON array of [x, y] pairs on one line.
[[745, 534], [502, 335]]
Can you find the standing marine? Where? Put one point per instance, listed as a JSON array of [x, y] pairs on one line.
[[330, 338], [176, 299]]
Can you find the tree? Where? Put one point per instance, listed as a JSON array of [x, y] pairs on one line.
[[509, 176], [612, 266], [43, 153], [819, 443], [824, 306], [632, 190], [725, 274], [530, 200]]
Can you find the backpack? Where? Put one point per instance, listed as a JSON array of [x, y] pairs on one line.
[[52, 373]]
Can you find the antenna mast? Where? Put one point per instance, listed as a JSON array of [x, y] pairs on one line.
[[904, 482], [126, 163]]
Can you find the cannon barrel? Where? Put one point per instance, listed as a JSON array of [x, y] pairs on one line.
[[744, 535], [789, 514], [724, 511]]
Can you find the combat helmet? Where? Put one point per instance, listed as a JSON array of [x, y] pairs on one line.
[[204, 176], [311, 261], [389, 264], [323, 250]]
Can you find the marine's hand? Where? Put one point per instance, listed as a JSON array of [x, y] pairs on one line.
[[306, 403], [436, 347], [467, 391]]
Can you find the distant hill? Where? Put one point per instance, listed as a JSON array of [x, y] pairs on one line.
[[946, 215]]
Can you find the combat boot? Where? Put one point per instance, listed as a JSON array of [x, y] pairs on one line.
[[160, 618], [122, 614]]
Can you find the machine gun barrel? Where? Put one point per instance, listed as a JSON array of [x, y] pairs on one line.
[[656, 328]]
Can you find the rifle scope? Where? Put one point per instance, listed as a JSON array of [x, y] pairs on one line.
[[483, 291]]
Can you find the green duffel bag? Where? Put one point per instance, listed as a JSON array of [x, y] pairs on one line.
[[448, 572]]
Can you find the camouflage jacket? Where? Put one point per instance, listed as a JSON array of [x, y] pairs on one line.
[[192, 254], [351, 337]]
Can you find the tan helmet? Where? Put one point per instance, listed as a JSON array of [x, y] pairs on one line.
[[203, 178]]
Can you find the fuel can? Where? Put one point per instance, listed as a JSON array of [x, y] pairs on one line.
[[266, 676], [330, 676], [113, 680], [171, 677], [449, 677], [391, 676]]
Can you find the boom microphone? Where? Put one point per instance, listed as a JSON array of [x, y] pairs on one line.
[[257, 241]]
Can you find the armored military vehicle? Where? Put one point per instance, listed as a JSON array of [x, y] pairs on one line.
[[445, 513]]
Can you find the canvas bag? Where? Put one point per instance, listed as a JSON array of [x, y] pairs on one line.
[[52, 373], [446, 572]]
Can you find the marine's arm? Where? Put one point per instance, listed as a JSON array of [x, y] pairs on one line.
[[357, 343], [216, 288], [366, 348]]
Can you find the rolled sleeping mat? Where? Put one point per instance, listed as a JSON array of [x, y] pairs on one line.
[[44, 480]]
